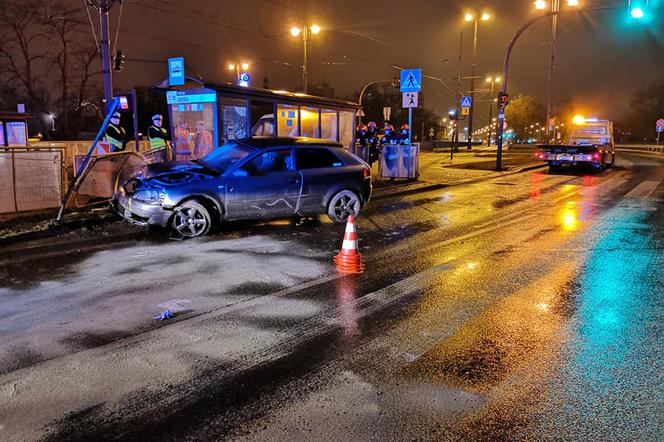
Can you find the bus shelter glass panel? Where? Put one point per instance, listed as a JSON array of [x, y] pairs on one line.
[[194, 120], [287, 121], [232, 119], [309, 122], [328, 124], [346, 128], [262, 118], [2, 134], [17, 133]]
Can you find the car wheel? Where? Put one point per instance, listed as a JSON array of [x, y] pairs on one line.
[[342, 205], [192, 219]]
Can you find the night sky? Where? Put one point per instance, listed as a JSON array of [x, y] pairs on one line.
[[602, 58]]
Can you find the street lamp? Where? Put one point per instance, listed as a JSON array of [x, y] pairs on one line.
[[492, 82], [295, 32], [475, 18], [555, 9], [238, 68]]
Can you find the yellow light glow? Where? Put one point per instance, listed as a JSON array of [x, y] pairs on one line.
[[572, 2], [578, 119], [231, 67], [315, 29], [498, 79], [245, 66], [469, 17], [472, 265], [540, 5], [542, 306], [569, 219], [489, 79], [485, 16], [295, 31]]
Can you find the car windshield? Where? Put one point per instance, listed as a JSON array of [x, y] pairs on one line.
[[224, 157]]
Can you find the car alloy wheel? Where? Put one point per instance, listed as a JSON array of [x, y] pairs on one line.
[[342, 205], [191, 219]]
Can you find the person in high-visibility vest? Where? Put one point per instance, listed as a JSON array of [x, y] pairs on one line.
[[115, 134], [157, 135]]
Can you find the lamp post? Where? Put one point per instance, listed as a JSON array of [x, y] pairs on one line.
[[304, 33], [475, 18], [555, 9], [492, 82], [238, 68]]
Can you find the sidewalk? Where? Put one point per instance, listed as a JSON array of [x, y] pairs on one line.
[[438, 170]]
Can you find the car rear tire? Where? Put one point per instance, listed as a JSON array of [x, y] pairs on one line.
[[342, 205], [192, 220]]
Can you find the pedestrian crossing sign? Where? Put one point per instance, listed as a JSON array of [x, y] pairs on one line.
[[466, 102], [411, 80]]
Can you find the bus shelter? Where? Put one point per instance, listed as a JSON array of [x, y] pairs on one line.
[[205, 116]]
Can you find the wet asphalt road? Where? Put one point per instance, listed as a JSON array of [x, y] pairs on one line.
[[526, 307]]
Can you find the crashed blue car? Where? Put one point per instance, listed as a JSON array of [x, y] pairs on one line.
[[260, 178]]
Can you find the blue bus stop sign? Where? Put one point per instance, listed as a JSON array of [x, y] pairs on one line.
[[176, 71]]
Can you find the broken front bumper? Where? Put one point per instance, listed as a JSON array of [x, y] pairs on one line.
[[140, 212]]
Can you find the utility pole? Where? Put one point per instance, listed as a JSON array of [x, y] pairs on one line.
[[555, 9], [105, 42], [472, 85], [455, 147]]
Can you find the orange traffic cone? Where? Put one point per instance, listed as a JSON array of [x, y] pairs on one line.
[[349, 259]]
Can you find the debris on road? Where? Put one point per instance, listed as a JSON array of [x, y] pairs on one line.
[[166, 314]]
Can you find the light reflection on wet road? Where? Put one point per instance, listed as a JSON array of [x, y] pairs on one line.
[[526, 308]]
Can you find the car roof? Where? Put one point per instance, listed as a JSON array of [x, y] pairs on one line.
[[267, 142]]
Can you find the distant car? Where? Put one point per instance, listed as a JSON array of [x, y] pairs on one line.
[[257, 178]]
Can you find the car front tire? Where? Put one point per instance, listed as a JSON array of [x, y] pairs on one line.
[[191, 220], [342, 205]]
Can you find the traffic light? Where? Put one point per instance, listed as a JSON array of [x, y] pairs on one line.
[[453, 113], [638, 8], [118, 61]]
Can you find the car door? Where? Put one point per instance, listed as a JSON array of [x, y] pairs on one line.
[[320, 169], [267, 186]]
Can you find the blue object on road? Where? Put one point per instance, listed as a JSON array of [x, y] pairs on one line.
[[167, 314]]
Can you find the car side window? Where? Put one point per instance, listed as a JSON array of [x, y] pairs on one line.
[[315, 158], [269, 162]]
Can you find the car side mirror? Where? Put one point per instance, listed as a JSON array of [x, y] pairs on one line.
[[240, 173]]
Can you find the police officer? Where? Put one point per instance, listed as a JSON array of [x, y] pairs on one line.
[[115, 134], [404, 135], [157, 135], [361, 135]]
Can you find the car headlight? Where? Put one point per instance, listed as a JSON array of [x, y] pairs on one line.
[[150, 195]]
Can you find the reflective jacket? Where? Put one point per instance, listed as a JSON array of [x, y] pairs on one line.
[[157, 136], [115, 136]]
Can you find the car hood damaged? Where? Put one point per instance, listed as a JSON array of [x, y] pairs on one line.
[[173, 172]]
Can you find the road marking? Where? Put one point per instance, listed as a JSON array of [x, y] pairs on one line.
[[643, 190]]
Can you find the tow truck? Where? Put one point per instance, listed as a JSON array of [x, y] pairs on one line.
[[590, 142]]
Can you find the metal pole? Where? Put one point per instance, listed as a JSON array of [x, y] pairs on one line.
[[506, 73], [488, 139], [305, 60], [105, 6], [410, 125], [455, 136], [555, 8], [472, 86]]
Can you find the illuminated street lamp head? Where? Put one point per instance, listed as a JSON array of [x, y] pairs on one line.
[[295, 31], [485, 16], [231, 67], [572, 2], [637, 13], [469, 16], [315, 29], [244, 66], [489, 79], [540, 5]]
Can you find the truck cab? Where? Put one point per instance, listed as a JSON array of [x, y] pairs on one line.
[[590, 142]]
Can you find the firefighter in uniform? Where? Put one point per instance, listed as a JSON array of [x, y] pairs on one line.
[[157, 135], [404, 136], [372, 141], [115, 134]]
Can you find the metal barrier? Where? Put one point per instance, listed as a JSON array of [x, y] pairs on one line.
[[399, 161], [31, 179], [640, 147], [361, 151]]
